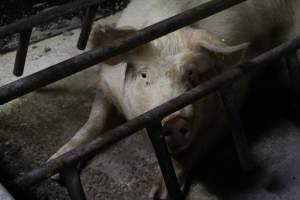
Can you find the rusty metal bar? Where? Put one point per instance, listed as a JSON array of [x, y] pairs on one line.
[[22, 52], [117, 134], [164, 161], [90, 58], [71, 178], [87, 24], [45, 16]]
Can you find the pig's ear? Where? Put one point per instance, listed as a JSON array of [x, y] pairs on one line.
[[103, 35], [199, 38]]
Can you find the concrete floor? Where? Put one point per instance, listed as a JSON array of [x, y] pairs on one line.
[[33, 127]]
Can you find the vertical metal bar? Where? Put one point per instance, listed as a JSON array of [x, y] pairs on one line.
[[164, 160], [71, 179], [237, 130], [22, 52], [87, 24], [294, 72]]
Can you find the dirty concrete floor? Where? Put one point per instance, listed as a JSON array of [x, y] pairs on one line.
[[33, 127]]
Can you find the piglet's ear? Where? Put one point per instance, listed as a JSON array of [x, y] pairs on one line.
[[199, 38], [103, 35]]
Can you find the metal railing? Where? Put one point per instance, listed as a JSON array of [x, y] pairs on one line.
[[66, 163]]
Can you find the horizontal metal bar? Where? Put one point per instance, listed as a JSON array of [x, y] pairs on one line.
[[140, 122], [45, 16], [164, 161], [45, 35], [22, 52], [71, 66]]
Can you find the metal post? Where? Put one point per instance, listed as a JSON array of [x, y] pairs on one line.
[[71, 179], [294, 72], [237, 130], [87, 24], [22, 52], [164, 160]]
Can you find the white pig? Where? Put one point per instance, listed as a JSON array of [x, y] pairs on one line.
[[169, 66]]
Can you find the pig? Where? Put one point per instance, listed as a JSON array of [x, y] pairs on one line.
[[143, 78]]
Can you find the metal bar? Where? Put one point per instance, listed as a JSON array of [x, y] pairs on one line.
[[237, 130], [87, 24], [45, 16], [13, 46], [294, 72], [71, 178], [117, 134], [22, 52], [164, 160], [86, 60]]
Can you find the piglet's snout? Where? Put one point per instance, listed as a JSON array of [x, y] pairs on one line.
[[177, 133]]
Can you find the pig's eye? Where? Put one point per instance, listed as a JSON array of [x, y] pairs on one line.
[[144, 75]]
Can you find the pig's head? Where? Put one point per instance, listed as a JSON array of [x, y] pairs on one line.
[[159, 71]]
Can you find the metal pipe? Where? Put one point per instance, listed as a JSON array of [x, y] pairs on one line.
[[117, 134], [45, 16], [294, 72], [71, 66], [161, 151], [71, 179], [237, 130], [22, 52], [87, 24]]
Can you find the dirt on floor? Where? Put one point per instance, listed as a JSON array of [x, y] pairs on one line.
[[35, 126]]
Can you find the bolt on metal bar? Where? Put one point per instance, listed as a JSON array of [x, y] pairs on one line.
[[87, 24], [237, 130], [45, 16], [92, 57], [71, 178], [164, 160], [24, 40], [129, 128]]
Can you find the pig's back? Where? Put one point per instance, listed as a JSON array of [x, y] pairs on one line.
[[142, 13]]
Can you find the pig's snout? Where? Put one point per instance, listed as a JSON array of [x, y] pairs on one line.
[[177, 133]]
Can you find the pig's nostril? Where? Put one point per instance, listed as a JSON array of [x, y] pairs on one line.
[[183, 131]]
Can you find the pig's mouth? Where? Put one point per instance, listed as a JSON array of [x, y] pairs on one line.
[[177, 132]]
